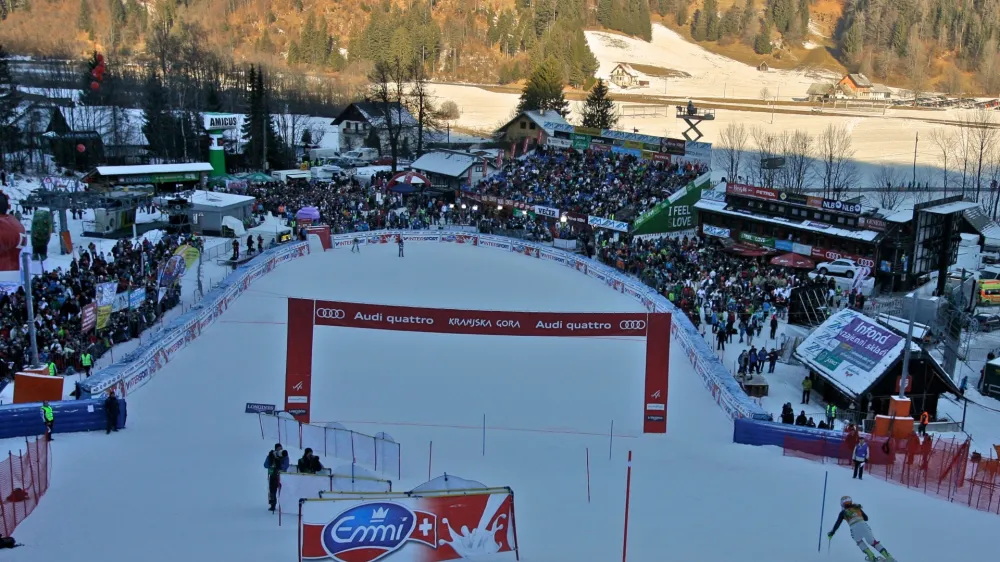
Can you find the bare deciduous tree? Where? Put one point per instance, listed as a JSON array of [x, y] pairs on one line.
[[798, 150], [733, 144], [419, 103], [768, 146], [946, 144], [838, 171], [765, 94], [388, 82], [889, 182], [981, 131], [917, 63]]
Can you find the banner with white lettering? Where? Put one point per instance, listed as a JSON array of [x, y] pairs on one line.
[[546, 212], [609, 224], [106, 293]]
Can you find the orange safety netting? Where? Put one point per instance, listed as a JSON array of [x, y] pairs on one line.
[[943, 467], [24, 479]]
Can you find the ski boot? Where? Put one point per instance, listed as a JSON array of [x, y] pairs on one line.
[[870, 556], [884, 554]]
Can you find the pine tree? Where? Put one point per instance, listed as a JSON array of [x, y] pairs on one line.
[[84, 21], [762, 43], [682, 14], [10, 134], [604, 10], [599, 109], [544, 90], [159, 125]]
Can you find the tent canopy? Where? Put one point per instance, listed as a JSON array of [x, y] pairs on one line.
[[311, 213]]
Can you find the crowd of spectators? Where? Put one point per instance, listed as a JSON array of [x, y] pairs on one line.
[[603, 184], [350, 206], [60, 295]]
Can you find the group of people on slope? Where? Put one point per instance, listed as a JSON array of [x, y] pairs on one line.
[[277, 462], [112, 409]]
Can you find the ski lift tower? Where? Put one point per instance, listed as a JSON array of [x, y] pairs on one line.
[[693, 116]]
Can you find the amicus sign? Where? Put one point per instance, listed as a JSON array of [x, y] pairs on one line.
[[221, 121]]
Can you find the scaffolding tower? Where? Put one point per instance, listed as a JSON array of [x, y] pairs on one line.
[[693, 116]]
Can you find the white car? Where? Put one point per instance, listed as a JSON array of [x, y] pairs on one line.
[[843, 266]]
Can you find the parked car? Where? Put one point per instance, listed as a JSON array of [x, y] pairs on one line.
[[987, 322], [843, 266], [989, 273]]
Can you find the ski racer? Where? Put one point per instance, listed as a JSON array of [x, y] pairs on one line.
[[857, 520]]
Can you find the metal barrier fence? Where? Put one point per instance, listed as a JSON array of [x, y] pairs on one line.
[[24, 479], [378, 452], [942, 468]]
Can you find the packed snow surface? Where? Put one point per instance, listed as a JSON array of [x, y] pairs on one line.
[[185, 480]]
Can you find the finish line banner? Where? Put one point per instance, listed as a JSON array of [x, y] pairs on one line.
[[305, 315], [480, 322]]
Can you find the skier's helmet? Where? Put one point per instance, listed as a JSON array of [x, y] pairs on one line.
[[846, 501]]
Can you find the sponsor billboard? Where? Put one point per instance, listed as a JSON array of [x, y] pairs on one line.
[[255, 408], [610, 224], [851, 350], [88, 317], [397, 528]]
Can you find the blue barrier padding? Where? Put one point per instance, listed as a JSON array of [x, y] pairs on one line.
[[753, 432], [69, 416]]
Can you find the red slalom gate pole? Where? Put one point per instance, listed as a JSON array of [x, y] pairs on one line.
[[588, 474], [628, 494], [430, 457]]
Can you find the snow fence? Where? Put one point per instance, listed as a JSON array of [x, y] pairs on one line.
[[717, 379], [139, 366]]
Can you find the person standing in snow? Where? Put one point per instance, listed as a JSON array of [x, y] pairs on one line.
[[857, 520], [860, 457], [49, 418], [309, 463], [355, 248], [111, 410], [399, 241], [275, 463]]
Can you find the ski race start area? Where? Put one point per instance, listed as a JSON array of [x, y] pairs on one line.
[[479, 398]]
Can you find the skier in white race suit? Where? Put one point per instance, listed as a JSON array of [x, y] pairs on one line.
[[857, 520]]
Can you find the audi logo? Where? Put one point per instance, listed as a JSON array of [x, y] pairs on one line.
[[632, 324], [330, 313]]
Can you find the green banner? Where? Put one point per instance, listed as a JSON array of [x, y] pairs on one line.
[[765, 241], [671, 215], [580, 142]]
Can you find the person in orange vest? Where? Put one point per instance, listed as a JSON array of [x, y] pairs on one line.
[[925, 418]]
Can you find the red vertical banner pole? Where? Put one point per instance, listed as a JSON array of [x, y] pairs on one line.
[[298, 358], [657, 373], [628, 495]]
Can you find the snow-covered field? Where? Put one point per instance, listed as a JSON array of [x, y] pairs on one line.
[[876, 138], [185, 480], [710, 75]]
